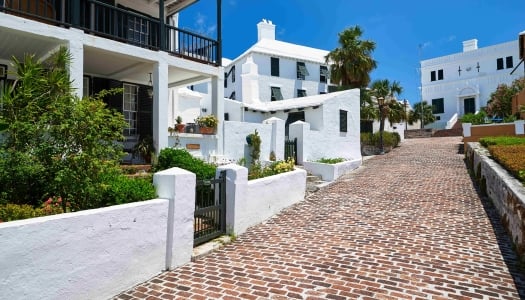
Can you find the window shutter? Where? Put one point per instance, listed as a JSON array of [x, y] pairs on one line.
[[343, 120]]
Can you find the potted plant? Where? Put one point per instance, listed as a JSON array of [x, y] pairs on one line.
[[145, 148], [179, 125], [207, 124]]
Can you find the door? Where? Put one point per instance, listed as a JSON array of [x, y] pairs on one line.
[[469, 106], [293, 117]]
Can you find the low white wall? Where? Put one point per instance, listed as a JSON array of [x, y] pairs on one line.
[[92, 254], [207, 143], [330, 172], [252, 202], [98, 253]]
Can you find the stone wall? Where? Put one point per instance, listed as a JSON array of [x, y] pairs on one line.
[[419, 133], [505, 191]]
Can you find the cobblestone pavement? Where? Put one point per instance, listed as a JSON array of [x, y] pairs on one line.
[[405, 225]]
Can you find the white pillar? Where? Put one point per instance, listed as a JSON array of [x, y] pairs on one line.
[[178, 186], [76, 66], [160, 105], [250, 82], [217, 107], [278, 131], [236, 182], [300, 130], [519, 127], [466, 129]]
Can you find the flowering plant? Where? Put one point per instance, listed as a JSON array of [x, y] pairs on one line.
[[54, 205], [207, 121]]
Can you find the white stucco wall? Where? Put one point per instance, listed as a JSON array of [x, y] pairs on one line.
[[252, 202], [235, 145], [454, 88], [91, 254], [329, 142], [330, 172]]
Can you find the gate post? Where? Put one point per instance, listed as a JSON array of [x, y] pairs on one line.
[[177, 186], [236, 181]]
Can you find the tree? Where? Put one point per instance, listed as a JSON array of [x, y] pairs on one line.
[[392, 109], [55, 144], [351, 63], [423, 112], [500, 102]]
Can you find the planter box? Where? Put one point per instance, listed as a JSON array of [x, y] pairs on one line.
[[330, 172]]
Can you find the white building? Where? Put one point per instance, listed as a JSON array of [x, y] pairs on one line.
[[118, 44], [461, 83], [283, 70]]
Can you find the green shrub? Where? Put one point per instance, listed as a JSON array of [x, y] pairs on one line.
[[501, 140], [330, 160], [12, 212], [390, 139], [258, 171], [120, 189], [181, 158], [474, 119]]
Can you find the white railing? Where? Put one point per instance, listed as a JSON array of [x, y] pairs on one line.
[[452, 121]]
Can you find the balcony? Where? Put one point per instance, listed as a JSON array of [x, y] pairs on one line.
[[122, 24]]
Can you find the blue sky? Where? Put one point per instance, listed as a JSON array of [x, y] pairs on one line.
[[398, 28]]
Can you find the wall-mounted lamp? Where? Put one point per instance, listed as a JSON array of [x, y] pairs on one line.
[[150, 87]]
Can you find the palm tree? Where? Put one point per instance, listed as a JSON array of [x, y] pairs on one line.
[[423, 112], [392, 109], [351, 63]]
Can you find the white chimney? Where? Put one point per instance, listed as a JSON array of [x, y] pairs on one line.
[[470, 45], [265, 30]]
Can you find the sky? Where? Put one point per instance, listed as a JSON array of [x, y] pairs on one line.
[[405, 31]]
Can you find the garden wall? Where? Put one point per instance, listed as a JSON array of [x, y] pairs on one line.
[[252, 202], [472, 133], [505, 191]]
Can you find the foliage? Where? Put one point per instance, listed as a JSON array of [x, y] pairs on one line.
[[500, 101], [330, 160], [145, 147], [421, 111], [12, 212], [390, 139], [368, 109], [207, 121], [171, 157], [351, 63], [255, 145], [392, 109], [277, 167], [511, 157], [501, 140], [178, 120], [474, 119], [272, 156], [120, 189], [55, 143]]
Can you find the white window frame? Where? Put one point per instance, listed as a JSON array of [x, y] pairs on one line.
[[130, 108]]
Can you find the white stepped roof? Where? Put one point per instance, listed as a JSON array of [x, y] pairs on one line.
[[294, 103]]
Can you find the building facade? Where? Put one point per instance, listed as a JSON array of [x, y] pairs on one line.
[[134, 45], [273, 70], [462, 83]]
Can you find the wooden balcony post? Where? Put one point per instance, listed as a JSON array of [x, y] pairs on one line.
[[162, 26], [75, 12], [219, 33]]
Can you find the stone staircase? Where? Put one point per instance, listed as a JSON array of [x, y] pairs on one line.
[[313, 182], [456, 130]]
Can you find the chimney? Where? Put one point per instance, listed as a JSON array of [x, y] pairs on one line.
[[470, 45], [265, 30]]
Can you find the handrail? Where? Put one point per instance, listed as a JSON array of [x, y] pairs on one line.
[[452, 121]]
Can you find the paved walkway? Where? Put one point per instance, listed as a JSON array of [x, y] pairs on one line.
[[406, 225]]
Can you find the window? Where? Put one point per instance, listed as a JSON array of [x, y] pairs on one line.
[[276, 93], [439, 75], [438, 106], [232, 95], [138, 30], [323, 74], [228, 74], [302, 72], [499, 63], [129, 108], [225, 80], [275, 66], [301, 93], [509, 62], [343, 120]]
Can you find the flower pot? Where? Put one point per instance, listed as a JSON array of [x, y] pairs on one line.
[[206, 130], [180, 127]]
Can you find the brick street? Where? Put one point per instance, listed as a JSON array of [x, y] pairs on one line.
[[405, 225]]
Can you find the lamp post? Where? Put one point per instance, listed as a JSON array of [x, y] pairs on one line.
[[405, 103], [381, 103]]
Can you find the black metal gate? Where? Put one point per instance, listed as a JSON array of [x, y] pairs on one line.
[[290, 149], [210, 209]]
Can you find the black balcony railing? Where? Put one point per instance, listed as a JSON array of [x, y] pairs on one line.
[[117, 23]]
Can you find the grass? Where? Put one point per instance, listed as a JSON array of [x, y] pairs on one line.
[[330, 161]]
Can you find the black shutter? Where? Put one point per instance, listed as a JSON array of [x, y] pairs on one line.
[[113, 101], [145, 113], [275, 66], [343, 120], [440, 74], [433, 76], [500, 64]]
